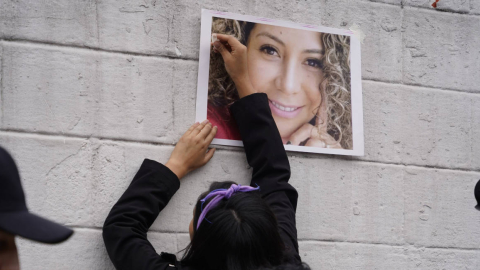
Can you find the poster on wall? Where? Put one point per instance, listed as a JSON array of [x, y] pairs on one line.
[[311, 75]]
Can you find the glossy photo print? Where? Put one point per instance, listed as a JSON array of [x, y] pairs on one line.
[[311, 75]]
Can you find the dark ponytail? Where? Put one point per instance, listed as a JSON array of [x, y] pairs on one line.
[[240, 233]]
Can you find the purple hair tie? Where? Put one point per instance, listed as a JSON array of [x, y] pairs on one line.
[[220, 194]]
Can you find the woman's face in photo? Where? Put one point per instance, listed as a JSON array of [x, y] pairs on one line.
[[285, 64]]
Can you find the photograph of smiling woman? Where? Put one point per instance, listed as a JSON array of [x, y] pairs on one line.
[[305, 74]]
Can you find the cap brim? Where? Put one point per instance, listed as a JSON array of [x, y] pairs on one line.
[[33, 227]]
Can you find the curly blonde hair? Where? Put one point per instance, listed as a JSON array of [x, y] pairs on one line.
[[335, 86]]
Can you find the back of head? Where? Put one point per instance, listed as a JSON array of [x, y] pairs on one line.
[[239, 233]]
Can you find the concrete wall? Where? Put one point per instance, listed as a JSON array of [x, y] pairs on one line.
[[91, 87]]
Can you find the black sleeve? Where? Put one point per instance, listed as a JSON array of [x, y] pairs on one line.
[[125, 229], [271, 169]]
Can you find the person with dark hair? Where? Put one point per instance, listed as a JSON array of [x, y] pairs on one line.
[[15, 219], [233, 227]]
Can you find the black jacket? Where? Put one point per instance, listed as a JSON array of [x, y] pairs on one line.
[[125, 229]]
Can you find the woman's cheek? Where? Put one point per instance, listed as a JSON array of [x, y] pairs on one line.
[[313, 91], [262, 73]]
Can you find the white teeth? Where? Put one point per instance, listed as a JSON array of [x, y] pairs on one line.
[[286, 109]]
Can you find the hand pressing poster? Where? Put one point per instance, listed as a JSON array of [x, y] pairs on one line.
[[311, 75]]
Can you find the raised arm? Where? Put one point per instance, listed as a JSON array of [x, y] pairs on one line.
[[262, 142], [263, 146], [125, 229], [261, 139]]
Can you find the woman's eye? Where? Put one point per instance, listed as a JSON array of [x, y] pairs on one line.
[[269, 50], [314, 63]]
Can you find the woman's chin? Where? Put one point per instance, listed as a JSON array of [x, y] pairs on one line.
[[285, 134], [285, 128]]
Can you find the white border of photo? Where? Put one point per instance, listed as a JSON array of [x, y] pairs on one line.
[[355, 68]]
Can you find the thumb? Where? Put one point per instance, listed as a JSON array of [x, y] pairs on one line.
[[322, 116], [222, 50]]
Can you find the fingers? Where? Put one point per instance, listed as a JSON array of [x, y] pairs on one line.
[[231, 40], [303, 133], [198, 128], [227, 45], [211, 135], [335, 146], [323, 144], [316, 139], [323, 140], [330, 141], [222, 50], [223, 38], [322, 124], [316, 143], [209, 155], [192, 127], [205, 131]]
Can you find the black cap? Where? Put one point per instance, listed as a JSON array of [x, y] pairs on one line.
[[477, 195], [14, 215]]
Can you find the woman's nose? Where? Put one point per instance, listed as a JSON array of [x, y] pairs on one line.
[[288, 80]]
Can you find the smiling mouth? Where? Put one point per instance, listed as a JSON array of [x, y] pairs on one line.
[[284, 108], [284, 111]]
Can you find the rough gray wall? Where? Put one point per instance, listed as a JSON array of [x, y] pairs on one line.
[[91, 87]]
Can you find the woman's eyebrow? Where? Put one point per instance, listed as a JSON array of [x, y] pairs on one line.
[[272, 37], [319, 51], [314, 51]]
